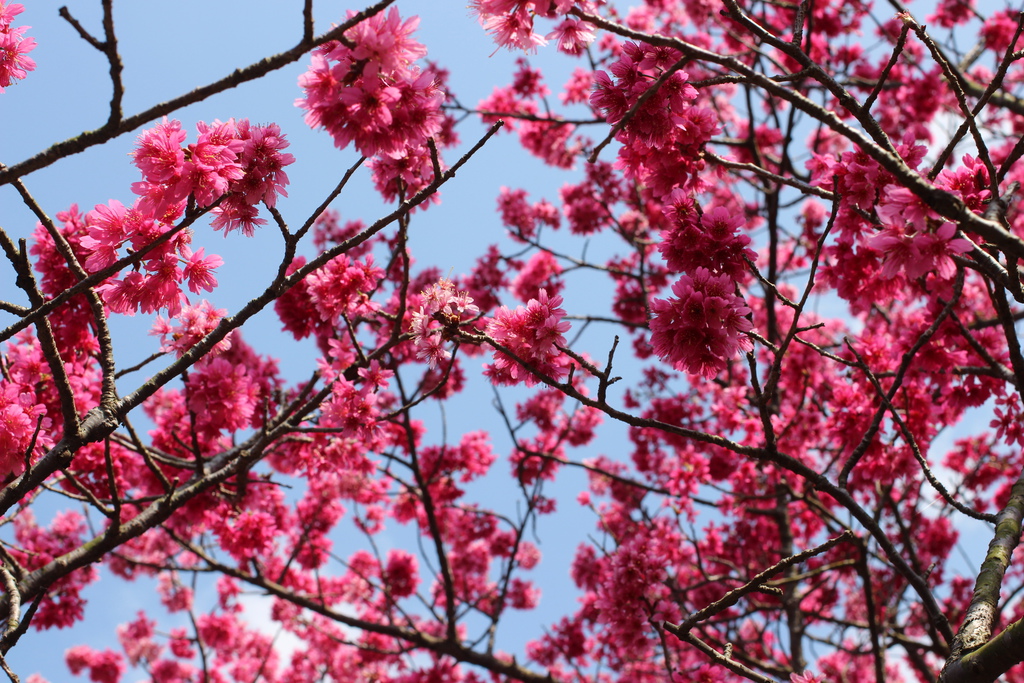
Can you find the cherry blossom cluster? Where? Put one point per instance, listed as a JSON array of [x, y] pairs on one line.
[[377, 98], [533, 333], [663, 129], [523, 219], [181, 333], [343, 287], [367, 90], [104, 666], [21, 419], [511, 24], [225, 392], [354, 407], [234, 165], [236, 159], [542, 271], [701, 328], [438, 319], [14, 46], [704, 238], [37, 546], [906, 240], [157, 285]]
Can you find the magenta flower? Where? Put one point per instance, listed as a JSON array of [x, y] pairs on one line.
[[199, 269], [572, 36], [14, 47], [159, 154], [107, 232], [7, 13]]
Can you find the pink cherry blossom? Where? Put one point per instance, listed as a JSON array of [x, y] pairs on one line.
[[159, 153], [9, 10], [702, 328], [438, 319], [14, 47], [104, 667], [572, 36], [369, 91], [540, 272], [533, 333], [193, 323]]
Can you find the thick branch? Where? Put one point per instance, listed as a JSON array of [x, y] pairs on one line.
[[973, 659]]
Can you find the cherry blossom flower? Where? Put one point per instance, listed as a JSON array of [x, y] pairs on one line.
[[14, 47], [511, 28], [917, 253], [806, 677], [199, 269], [263, 177], [159, 153], [9, 10], [572, 36]]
